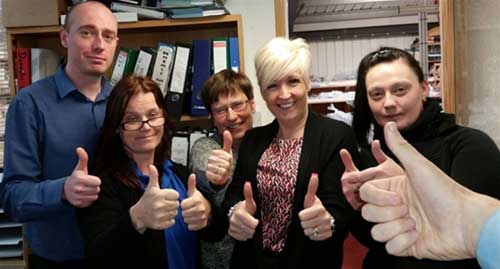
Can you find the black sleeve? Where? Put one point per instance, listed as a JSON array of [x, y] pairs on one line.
[[475, 161], [330, 188], [106, 225]]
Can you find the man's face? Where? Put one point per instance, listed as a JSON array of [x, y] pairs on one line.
[[91, 39]]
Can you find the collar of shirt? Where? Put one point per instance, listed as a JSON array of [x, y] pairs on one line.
[[65, 86]]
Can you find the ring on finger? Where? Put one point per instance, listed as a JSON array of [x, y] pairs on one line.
[[356, 186], [315, 232], [242, 228]]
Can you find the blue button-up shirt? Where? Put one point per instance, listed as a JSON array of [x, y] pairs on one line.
[[45, 123]]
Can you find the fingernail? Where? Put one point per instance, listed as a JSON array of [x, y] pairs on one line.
[[314, 174], [392, 126]]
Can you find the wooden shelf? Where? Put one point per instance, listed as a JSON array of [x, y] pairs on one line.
[[133, 35]]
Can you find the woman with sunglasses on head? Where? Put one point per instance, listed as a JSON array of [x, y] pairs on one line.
[[148, 210], [391, 87], [285, 206], [228, 97]]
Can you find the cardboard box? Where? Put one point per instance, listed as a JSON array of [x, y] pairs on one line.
[[23, 13]]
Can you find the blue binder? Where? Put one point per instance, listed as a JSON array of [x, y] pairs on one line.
[[201, 73], [234, 54]]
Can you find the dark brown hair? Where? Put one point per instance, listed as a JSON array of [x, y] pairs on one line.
[[363, 116], [110, 156], [225, 83]]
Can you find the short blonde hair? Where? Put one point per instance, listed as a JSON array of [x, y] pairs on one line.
[[280, 57]]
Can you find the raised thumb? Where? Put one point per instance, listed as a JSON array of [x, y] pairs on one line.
[[153, 178], [191, 184], [311, 191], [83, 159], [249, 202], [346, 158], [420, 170], [378, 153], [228, 141]]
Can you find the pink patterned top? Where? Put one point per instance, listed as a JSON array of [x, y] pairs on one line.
[[276, 177]]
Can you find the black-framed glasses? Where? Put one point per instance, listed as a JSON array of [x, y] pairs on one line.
[[138, 124], [221, 112]]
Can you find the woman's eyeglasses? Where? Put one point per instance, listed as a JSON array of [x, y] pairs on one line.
[[137, 125], [221, 112]]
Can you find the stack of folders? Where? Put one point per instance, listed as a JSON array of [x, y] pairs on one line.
[[33, 64], [182, 143], [180, 69], [173, 9]]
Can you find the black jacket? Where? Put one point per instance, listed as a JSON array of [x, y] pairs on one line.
[[323, 138], [467, 155], [110, 238]]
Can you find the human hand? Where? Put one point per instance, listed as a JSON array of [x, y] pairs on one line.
[[314, 218], [350, 180], [195, 209], [220, 162], [157, 207], [242, 224], [81, 189], [424, 213]]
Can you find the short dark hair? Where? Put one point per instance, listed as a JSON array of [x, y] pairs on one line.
[[110, 156], [363, 116], [225, 83]]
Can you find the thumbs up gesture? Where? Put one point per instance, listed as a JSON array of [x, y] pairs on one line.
[[424, 213], [157, 207], [352, 179], [242, 224], [314, 218], [80, 188], [195, 209], [220, 162]]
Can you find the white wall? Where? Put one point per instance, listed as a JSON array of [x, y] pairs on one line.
[[258, 28], [477, 65], [340, 58]]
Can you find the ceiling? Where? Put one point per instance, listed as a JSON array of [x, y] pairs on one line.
[[311, 15]]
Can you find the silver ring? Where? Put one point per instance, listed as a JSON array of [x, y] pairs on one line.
[[242, 228]]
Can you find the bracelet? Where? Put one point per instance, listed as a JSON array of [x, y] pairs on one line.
[[231, 211], [332, 223]]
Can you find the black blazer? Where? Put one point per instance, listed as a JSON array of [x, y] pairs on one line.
[[323, 139], [110, 238]]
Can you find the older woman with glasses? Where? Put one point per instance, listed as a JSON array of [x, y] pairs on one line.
[[148, 210], [284, 205], [228, 96], [391, 88]]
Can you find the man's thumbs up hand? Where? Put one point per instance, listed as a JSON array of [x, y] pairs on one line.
[[80, 188]]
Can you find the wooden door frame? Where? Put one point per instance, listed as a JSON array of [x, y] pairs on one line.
[[447, 55], [280, 18]]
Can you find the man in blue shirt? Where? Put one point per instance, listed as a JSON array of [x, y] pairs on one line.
[[426, 214], [44, 179]]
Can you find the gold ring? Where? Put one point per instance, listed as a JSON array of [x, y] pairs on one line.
[[315, 232]]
